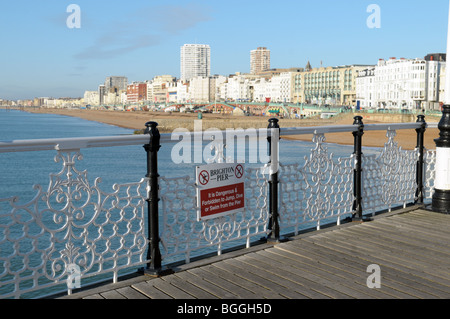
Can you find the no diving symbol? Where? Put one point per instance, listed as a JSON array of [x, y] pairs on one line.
[[203, 177], [239, 171]]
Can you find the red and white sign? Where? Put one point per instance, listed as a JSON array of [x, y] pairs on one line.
[[220, 190]]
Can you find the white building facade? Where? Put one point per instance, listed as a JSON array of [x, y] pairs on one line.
[[401, 84], [365, 88], [195, 60]]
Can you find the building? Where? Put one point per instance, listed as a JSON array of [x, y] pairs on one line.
[[235, 88], [330, 85], [259, 60], [199, 89], [195, 60], [402, 84], [101, 94], [205, 89], [91, 98], [157, 89], [116, 83], [365, 88], [136, 93]]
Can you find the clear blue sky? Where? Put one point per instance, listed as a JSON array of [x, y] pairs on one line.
[[41, 56]]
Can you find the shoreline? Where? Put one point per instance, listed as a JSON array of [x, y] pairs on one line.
[[136, 120]]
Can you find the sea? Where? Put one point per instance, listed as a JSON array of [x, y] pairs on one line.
[[124, 164], [21, 171]]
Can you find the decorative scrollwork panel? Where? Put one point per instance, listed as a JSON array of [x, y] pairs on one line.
[[319, 189], [389, 178], [430, 172], [73, 223]]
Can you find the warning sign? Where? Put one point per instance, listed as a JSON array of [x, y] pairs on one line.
[[220, 190]]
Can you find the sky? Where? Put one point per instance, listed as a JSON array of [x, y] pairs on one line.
[[41, 56]]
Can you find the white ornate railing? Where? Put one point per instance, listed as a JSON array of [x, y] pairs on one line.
[[317, 189], [74, 229]]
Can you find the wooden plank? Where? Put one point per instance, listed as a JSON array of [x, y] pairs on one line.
[[260, 279], [302, 284], [376, 246], [229, 273], [240, 292], [353, 274], [94, 296], [439, 225], [146, 288], [288, 288], [395, 254], [407, 234], [166, 287], [402, 245], [298, 268], [258, 290], [382, 263], [314, 274], [186, 286], [357, 265], [411, 232], [389, 291], [206, 285], [346, 247], [112, 294], [323, 275], [130, 293]]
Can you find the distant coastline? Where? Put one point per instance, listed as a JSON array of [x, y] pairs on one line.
[[169, 122]]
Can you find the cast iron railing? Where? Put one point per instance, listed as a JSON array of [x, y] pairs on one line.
[[75, 231]]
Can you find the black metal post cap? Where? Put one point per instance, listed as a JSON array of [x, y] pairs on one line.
[[358, 120], [273, 123], [151, 124]]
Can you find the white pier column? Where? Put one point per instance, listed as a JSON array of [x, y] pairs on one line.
[[441, 196]]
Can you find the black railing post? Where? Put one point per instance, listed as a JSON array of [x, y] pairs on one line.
[[441, 196], [420, 164], [154, 267], [357, 173], [274, 225]]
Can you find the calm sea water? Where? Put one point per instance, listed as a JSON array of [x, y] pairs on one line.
[[20, 171]]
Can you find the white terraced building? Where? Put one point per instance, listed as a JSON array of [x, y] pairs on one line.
[[401, 84]]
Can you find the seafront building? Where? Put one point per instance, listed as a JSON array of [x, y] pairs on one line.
[[389, 84], [136, 92], [259, 60], [116, 83], [402, 84], [195, 60], [158, 88], [330, 85]]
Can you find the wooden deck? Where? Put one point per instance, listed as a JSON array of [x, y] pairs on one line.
[[412, 249]]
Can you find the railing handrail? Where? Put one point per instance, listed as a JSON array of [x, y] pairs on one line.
[[141, 139], [71, 143]]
